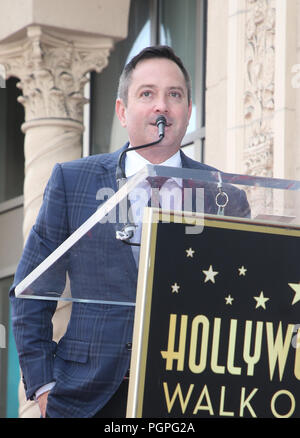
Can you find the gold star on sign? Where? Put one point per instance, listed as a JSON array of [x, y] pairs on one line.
[[261, 300], [189, 252], [296, 289], [175, 288], [229, 299], [210, 275], [242, 271]]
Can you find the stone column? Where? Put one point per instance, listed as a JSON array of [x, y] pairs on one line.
[[286, 111], [252, 81], [270, 147], [52, 72], [260, 50]]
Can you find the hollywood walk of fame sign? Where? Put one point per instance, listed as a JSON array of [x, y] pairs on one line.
[[216, 332]]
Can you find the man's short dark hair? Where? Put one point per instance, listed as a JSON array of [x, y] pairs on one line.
[[151, 52]]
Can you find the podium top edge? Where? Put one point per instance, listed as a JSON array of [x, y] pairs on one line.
[[228, 178]]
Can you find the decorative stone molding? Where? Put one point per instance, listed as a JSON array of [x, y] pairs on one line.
[[259, 86], [258, 158], [258, 155], [52, 72]]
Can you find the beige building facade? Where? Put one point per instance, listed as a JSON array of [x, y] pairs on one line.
[[246, 74]]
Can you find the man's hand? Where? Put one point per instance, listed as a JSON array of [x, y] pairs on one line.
[[42, 401]]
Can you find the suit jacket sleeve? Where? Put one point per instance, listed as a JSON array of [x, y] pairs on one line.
[[238, 205], [32, 318]]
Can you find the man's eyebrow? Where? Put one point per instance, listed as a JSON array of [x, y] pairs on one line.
[[146, 86], [178, 88], [173, 87]]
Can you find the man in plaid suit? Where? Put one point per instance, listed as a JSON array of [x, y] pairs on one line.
[[84, 375]]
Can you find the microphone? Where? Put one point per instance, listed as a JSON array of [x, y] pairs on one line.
[[161, 123]]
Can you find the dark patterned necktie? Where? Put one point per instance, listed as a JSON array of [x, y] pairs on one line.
[[156, 183]]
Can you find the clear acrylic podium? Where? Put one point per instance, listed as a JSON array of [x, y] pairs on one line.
[[272, 201], [216, 329]]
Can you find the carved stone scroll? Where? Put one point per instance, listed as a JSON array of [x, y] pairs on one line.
[[259, 93]]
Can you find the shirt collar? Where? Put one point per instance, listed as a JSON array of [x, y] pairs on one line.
[[135, 162]]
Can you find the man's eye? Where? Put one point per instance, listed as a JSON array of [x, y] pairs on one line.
[[146, 93], [175, 94]]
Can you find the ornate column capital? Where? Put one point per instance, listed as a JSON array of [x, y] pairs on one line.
[[52, 68]]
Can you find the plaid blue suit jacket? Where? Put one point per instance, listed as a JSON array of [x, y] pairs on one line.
[[91, 359]]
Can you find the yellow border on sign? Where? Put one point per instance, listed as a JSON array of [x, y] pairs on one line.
[[252, 226], [145, 283], [142, 314], [144, 299]]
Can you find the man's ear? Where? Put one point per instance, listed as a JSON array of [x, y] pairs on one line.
[[121, 112], [190, 111]]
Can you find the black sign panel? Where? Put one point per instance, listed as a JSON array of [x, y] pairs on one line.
[[221, 337]]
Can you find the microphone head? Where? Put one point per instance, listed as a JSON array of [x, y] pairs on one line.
[[161, 119], [161, 123]]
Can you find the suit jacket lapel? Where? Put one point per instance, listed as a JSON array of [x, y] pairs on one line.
[[107, 178], [210, 189]]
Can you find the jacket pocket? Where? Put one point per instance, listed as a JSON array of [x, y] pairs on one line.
[[73, 350]]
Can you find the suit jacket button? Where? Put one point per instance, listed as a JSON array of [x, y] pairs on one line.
[[129, 345]]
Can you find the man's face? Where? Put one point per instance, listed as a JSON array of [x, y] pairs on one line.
[[157, 87]]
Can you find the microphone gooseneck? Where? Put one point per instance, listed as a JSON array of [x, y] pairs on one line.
[[160, 123], [128, 230]]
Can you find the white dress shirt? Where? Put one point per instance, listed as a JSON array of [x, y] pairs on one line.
[[140, 196]]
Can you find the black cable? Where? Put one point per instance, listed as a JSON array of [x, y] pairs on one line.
[[160, 123], [120, 175]]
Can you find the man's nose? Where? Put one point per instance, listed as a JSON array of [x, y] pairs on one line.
[[161, 105]]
